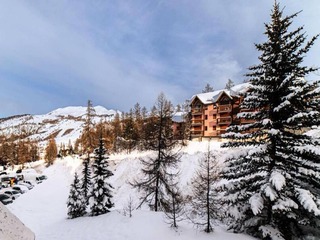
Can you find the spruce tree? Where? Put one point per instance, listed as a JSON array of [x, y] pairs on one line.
[[76, 203], [204, 203], [86, 179], [155, 183], [229, 84], [273, 189], [102, 189], [208, 88]]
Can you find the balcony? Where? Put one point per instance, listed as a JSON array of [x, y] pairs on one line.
[[196, 111], [213, 134], [220, 132], [225, 108], [196, 133], [246, 121], [224, 121], [197, 122]]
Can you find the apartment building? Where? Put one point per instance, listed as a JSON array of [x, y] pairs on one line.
[[213, 112]]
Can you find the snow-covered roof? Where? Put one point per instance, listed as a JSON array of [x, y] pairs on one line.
[[11, 227], [211, 97]]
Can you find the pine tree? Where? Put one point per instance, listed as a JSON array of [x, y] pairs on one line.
[[205, 201], [5, 153], [186, 126], [62, 150], [229, 84], [274, 189], [156, 181], [149, 129], [70, 148], [208, 88], [34, 151], [117, 133], [138, 121], [86, 179], [130, 133], [87, 137], [102, 190], [76, 203], [51, 152]]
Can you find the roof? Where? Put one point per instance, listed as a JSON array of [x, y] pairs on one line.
[[211, 97], [11, 227]]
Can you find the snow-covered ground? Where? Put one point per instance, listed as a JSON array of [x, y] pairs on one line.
[[44, 211]]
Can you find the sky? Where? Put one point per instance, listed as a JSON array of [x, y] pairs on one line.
[[116, 53]]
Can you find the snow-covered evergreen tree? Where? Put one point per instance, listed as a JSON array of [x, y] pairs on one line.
[[102, 189], [76, 203], [204, 203], [273, 189], [86, 179]]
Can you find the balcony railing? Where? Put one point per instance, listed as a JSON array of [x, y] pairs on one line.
[[224, 120], [197, 122], [245, 121], [196, 133], [220, 132], [225, 108], [196, 111], [213, 134]]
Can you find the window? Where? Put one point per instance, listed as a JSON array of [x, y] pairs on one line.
[[206, 117]]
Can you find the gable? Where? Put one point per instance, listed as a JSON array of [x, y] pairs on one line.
[[196, 102], [223, 97]]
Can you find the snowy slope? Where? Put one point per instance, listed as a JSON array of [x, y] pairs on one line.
[[65, 123], [11, 228], [44, 211]]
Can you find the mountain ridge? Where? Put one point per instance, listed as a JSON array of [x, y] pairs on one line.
[[65, 123]]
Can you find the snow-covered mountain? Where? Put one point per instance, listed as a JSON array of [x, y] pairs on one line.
[[63, 123]]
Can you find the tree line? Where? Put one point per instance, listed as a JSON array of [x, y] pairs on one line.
[[129, 131], [15, 150]]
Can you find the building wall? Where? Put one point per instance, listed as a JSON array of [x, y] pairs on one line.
[[212, 120], [197, 119]]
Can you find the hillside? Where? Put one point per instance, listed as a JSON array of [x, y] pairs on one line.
[[44, 211], [64, 123]]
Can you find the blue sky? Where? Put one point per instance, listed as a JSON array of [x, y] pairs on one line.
[[116, 53]]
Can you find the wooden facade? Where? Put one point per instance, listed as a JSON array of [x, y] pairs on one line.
[[212, 113]]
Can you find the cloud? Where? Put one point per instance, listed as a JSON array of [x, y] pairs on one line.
[[117, 53]]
